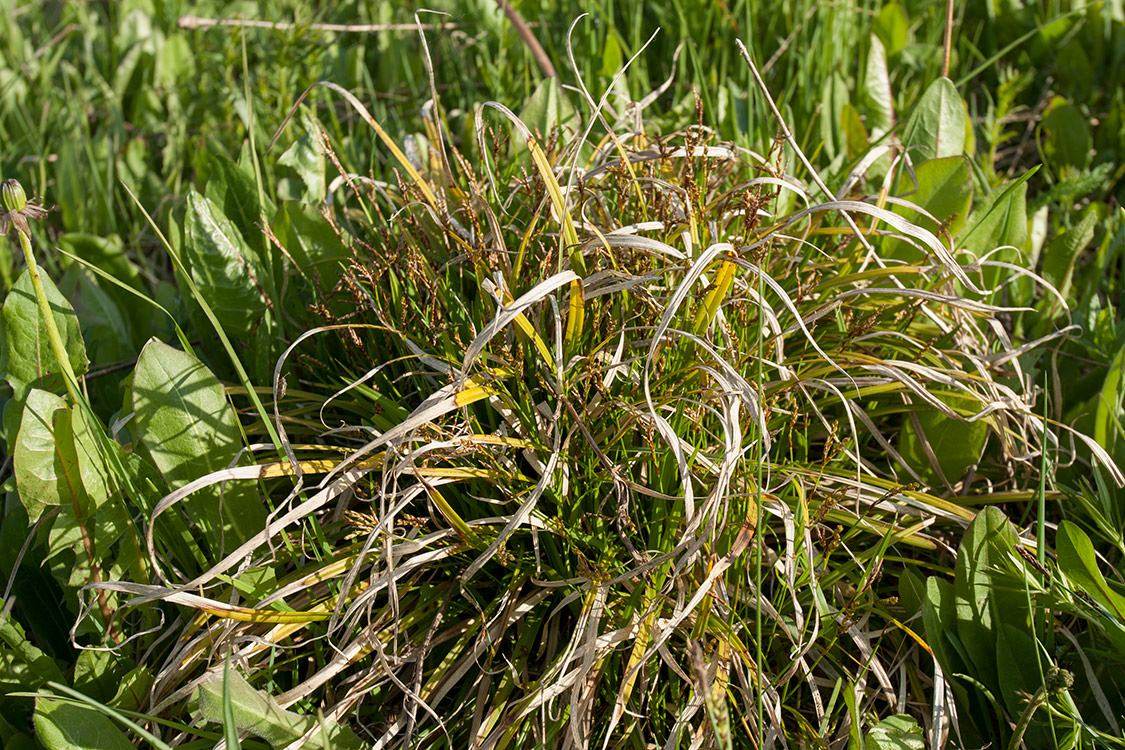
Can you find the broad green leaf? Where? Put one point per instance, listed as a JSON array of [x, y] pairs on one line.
[[611, 55], [174, 58], [306, 158], [940, 622], [235, 194], [108, 254], [944, 190], [102, 529], [1108, 410], [1078, 562], [1061, 254], [101, 319], [936, 127], [307, 236], [19, 741], [23, 666], [41, 475], [259, 714], [65, 726], [172, 531], [898, 732], [224, 267], [132, 690], [93, 468], [911, 591], [547, 108], [185, 422], [1000, 220], [95, 674], [27, 359], [855, 134], [56, 459], [1065, 137], [892, 27], [877, 95], [1017, 665], [984, 595], [970, 132], [957, 445]]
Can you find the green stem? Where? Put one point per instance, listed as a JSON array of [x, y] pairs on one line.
[[1033, 705], [45, 308], [1058, 680], [72, 388]]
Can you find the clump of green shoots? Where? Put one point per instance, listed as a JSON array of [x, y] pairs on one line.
[[612, 418]]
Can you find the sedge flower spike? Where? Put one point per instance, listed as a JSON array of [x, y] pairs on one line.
[[17, 209]]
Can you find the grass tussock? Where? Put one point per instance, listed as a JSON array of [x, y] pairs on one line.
[[605, 444]]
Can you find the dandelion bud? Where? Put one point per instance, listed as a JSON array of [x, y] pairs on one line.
[[13, 196]]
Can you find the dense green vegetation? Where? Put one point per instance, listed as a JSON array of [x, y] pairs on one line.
[[633, 392]]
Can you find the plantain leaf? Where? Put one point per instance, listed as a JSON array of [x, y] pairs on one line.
[[898, 732], [306, 158], [939, 620], [185, 422], [1079, 563], [234, 193], [1107, 413], [108, 254], [944, 188], [1000, 220], [1061, 254], [834, 97], [65, 726], [41, 475], [227, 272], [892, 27], [877, 94], [1017, 665], [984, 595], [546, 109], [936, 127], [1065, 137], [26, 358], [855, 134], [957, 445], [259, 714], [23, 666], [308, 237]]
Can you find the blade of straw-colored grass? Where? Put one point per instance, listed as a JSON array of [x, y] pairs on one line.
[[633, 666], [213, 607]]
